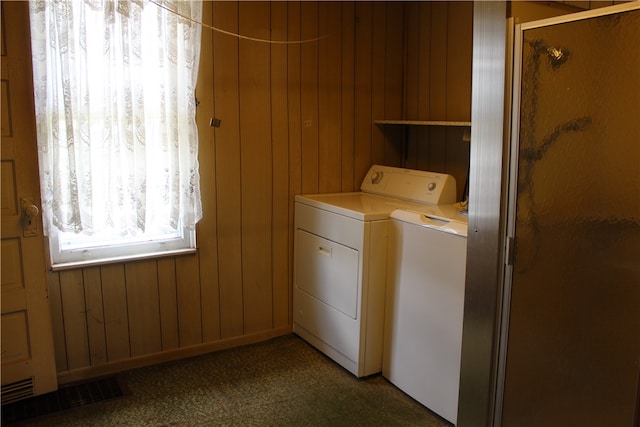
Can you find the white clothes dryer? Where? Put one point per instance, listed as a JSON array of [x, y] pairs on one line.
[[425, 305], [340, 261]]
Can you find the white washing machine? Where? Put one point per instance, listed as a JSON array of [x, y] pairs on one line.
[[340, 261], [425, 305]]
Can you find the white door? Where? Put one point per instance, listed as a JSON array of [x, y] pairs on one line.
[[28, 363]]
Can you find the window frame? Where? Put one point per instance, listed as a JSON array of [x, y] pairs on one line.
[[65, 259], [111, 247]]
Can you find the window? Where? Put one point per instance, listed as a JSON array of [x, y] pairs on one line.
[[114, 85]]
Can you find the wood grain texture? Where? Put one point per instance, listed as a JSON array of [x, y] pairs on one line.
[[143, 307], [116, 316], [189, 298], [74, 319], [329, 97], [309, 94], [207, 253], [347, 93], [281, 278], [228, 178], [256, 166], [57, 318], [95, 315], [363, 91]]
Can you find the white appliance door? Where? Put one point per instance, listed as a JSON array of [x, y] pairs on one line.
[[424, 309]]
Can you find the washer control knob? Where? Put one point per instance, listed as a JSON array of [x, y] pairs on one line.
[[431, 186]]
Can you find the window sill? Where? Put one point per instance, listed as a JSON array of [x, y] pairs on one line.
[[121, 259]]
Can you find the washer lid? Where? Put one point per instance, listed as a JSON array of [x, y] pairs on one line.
[[411, 185]]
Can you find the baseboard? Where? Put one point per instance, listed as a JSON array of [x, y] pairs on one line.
[[91, 372]]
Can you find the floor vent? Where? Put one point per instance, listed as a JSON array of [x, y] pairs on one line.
[[17, 391], [66, 397]]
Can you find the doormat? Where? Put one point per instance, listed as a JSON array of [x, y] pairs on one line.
[[67, 397]]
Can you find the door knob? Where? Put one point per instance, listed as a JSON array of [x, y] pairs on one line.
[[29, 213]]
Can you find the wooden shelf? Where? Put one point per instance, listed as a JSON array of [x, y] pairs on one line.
[[421, 123]]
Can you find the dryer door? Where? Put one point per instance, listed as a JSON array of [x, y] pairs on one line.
[[327, 271]]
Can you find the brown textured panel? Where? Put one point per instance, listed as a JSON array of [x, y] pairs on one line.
[[15, 337], [208, 247], [95, 315], [329, 97], [75, 319], [57, 321], [7, 183], [143, 306], [379, 20], [11, 265], [348, 96], [167, 292], [227, 155], [116, 317], [256, 166], [363, 92], [309, 97], [188, 295], [6, 129], [280, 162]]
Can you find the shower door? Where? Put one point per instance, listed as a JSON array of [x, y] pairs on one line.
[[572, 287]]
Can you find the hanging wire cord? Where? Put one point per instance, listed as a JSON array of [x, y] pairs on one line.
[[229, 33]]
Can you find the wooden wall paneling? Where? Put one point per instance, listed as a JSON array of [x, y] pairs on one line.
[[75, 320], [424, 61], [347, 93], [411, 148], [363, 123], [424, 86], [189, 300], [378, 82], [459, 52], [256, 165], [116, 315], [438, 86], [438, 61], [168, 302], [227, 157], [457, 158], [280, 164], [309, 97], [294, 123], [411, 60], [57, 321], [95, 315], [294, 97], [329, 97], [394, 83], [143, 307], [207, 235]]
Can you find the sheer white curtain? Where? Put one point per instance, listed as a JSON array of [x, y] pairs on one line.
[[115, 109]]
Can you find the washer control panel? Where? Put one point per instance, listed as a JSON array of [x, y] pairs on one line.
[[411, 185]]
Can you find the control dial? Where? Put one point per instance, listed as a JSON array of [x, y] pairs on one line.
[[376, 177]]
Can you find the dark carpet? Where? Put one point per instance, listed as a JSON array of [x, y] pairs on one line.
[[281, 382]]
